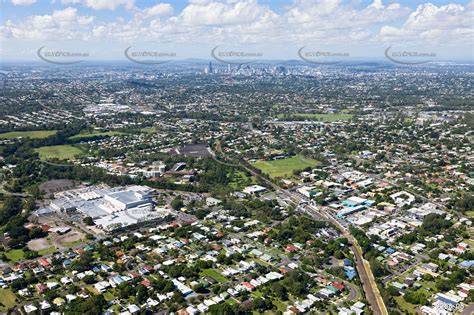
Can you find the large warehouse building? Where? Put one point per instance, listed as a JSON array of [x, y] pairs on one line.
[[111, 208]]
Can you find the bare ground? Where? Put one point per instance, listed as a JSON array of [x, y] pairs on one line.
[[38, 244], [69, 238], [56, 185]]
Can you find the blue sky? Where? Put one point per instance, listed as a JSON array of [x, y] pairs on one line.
[[276, 28]]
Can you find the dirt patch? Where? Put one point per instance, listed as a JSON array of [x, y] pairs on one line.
[[68, 238], [38, 244], [56, 185]]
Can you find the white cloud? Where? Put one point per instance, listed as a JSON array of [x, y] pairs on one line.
[[334, 15], [61, 24], [109, 4], [159, 9], [68, 2], [23, 2], [218, 13], [241, 22], [430, 23]]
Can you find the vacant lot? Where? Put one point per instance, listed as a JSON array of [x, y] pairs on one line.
[[63, 152], [39, 244], [214, 274], [15, 255], [320, 117], [70, 239], [55, 185], [29, 134], [7, 299], [85, 136], [285, 167], [239, 180]]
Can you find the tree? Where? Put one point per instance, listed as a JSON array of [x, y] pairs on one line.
[[95, 304], [177, 203], [88, 221], [415, 297], [142, 294], [261, 305], [224, 309], [84, 262], [36, 232], [280, 291], [89, 279], [339, 254], [393, 291], [200, 288], [465, 203], [30, 254], [377, 268]]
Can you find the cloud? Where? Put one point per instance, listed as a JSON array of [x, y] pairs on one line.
[[64, 24], [159, 9], [241, 22], [428, 23], [218, 13], [334, 15], [68, 2], [23, 2], [109, 4]]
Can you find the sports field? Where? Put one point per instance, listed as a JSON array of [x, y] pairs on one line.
[[85, 136], [29, 134], [285, 167], [63, 152], [320, 117]]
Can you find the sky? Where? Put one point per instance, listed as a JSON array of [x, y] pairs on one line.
[[271, 29]]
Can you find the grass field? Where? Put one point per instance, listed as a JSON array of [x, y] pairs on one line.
[[108, 296], [257, 293], [46, 251], [149, 130], [232, 301], [29, 134], [7, 299], [239, 180], [285, 167], [215, 275], [321, 117], [64, 152], [405, 306], [280, 305], [73, 244], [85, 136], [15, 254], [262, 262], [470, 214]]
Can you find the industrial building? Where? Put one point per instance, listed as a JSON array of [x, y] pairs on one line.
[[111, 208]]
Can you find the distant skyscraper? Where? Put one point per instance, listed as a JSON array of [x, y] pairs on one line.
[[228, 67], [210, 66]]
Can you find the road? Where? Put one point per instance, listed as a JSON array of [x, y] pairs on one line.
[[363, 268], [404, 268], [468, 310]]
